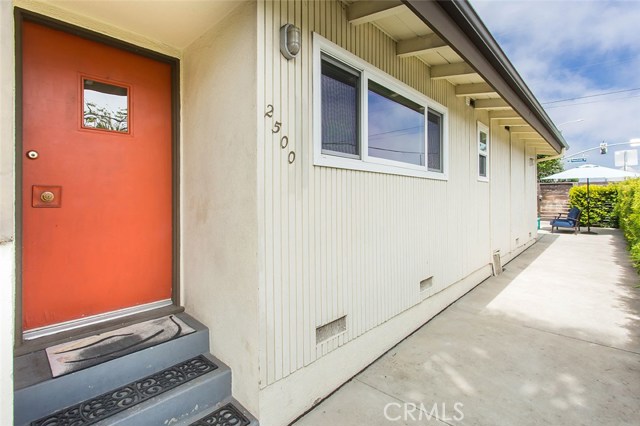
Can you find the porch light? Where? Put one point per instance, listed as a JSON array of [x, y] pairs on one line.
[[290, 41]]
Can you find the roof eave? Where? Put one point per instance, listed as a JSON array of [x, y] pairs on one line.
[[456, 22]]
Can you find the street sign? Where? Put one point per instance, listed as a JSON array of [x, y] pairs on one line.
[[578, 160], [627, 157]]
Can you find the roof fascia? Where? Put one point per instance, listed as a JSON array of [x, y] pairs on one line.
[[456, 22]]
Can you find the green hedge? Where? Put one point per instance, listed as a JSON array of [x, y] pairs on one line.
[[602, 210], [628, 209]]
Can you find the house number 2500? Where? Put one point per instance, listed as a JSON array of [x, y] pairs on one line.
[[284, 140]]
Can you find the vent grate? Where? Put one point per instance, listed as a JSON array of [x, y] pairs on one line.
[[426, 284], [332, 329]]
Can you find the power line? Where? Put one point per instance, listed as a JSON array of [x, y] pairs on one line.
[[395, 131], [590, 96], [593, 64], [593, 102]]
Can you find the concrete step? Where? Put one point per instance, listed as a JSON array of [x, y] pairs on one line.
[[163, 398], [226, 412], [37, 394]]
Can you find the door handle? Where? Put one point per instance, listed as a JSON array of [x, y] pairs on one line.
[[32, 155]]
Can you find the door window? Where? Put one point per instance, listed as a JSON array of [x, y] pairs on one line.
[[105, 106]]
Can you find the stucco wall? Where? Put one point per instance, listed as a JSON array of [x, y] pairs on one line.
[[7, 202], [219, 210]]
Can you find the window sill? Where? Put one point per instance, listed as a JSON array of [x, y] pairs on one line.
[[324, 160], [483, 179]]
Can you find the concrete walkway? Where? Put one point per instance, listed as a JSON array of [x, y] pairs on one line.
[[554, 340]]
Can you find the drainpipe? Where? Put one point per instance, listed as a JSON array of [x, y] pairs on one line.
[[510, 188]]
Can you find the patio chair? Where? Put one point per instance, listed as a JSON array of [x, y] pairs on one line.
[[571, 221]]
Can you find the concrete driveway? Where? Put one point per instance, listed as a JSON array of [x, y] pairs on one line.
[[554, 340]]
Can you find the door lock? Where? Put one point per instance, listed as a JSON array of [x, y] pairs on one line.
[[32, 155], [47, 196]]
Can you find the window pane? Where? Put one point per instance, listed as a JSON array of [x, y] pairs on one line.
[[483, 142], [105, 106], [339, 109], [396, 126], [482, 167], [434, 141]]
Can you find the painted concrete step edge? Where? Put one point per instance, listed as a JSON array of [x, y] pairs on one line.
[[189, 385], [222, 413], [175, 350], [50, 395]]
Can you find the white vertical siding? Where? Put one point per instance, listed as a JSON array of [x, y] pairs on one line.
[[343, 242], [517, 194], [501, 200]]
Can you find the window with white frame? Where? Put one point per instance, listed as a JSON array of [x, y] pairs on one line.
[[483, 152], [340, 109], [367, 120]]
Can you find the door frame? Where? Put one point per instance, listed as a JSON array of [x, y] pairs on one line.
[[20, 15]]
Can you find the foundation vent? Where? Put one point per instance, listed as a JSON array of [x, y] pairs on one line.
[[497, 263], [426, 284], [331, 329]]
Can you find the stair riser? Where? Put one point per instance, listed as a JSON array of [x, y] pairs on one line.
[[189, 399], [205, 415]]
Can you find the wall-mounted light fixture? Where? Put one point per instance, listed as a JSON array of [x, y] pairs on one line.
[[290, 41]]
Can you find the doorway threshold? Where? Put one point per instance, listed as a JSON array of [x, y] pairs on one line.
[[103, 324]]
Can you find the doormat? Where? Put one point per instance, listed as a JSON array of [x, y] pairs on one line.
[[83, 353]]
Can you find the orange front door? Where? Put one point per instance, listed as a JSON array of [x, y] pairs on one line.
[[97, 178]]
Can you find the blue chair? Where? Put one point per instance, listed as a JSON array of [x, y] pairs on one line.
[[571, 221]]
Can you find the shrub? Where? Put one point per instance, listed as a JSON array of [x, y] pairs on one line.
[[602, 211], [628, 210]]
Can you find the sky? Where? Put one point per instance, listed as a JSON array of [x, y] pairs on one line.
[[567, 49]]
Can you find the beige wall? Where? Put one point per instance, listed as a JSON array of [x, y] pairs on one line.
[[345, 242], [7, 202], [219, 206]]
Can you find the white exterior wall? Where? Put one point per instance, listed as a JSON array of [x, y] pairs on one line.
[[513, 194], [7, 204], [342, 242], [219, 194]]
